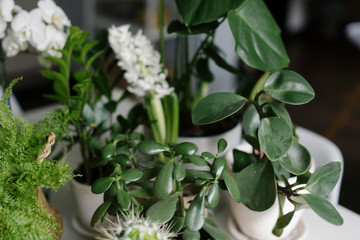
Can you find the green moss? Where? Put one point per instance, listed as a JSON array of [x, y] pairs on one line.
[[21, 216]]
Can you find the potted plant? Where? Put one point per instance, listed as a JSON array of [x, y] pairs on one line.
[[156, 189], [279, 165], [25, 213]]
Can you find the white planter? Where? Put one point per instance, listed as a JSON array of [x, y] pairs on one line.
[[259, 225], [86, 204]]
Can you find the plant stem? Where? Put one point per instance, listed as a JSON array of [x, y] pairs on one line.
[[161, 31]]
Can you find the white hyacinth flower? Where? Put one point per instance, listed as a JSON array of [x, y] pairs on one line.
[[141, 62], [53, 14]]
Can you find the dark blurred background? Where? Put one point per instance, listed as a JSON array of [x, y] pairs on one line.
[[314, 33]]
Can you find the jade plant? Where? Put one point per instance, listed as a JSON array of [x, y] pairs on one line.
[[277, 154], [24, 170], [151, 179]]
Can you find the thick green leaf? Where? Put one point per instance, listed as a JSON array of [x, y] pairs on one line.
[[179, 171], [207, 155], [221, 145], [141, 193], [198, 161], [199, 174], [162, 211], [232, 187], [131, 175], [100, 212], [284, 220], [241, 160], [102, 184], [257, 185], [281, 112], [109, 151], [164, 181], [324, 179], [190, 235], [195, 215], [123, 199], [251, 121], [257, 37], [275, 137], [216, 107], [289, 87], [218, 166], [215, 232], [122, 159], [195, 12], [149, 147], [185, 148], [213, 196], [323, 208], [297, 160]]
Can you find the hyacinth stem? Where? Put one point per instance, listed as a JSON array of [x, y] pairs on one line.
[[157, 117], [171, 109]]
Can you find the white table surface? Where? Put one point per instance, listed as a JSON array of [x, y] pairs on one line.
[[316, 228]]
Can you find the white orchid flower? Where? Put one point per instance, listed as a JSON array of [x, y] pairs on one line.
[[12, 47], [53, 14], [6, 8], [55, 41], [3, 26]]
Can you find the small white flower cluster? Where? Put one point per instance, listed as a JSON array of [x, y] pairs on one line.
[[134, 227], [141, 62], [43, 28]]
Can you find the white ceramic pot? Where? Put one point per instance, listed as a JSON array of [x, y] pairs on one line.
[[87, 202], [259, 225]]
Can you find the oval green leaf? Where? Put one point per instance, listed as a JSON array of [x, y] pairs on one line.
[[179, 171], [108, 151], [323, 208], [257, 185], [123, 199], [100, 212], [219, 166], [281, 112], [251, 121], [232, 187], [275, 137], [324, 179], [162, 211], [102, 184], [258, 37], [185, 148], [164, 181], [198, 161], [289, 87], [190, 235], [131, 175], [149, 147], [221, 145], [297, 160], [216, 107], [195, 215], [213, 196]]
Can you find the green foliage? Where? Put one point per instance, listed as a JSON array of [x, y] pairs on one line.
[[21, 215], [276, 151], [152, 185]]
